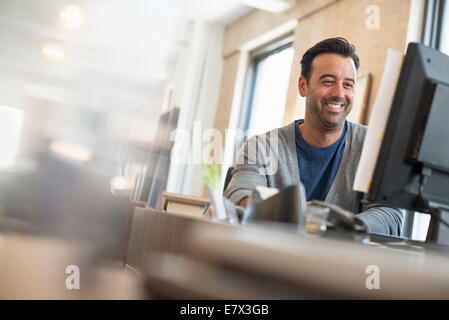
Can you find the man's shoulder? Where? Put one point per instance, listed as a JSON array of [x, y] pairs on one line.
[[357, 129], [356, 133]]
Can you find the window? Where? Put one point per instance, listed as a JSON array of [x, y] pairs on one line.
[[267, 86], [420, 226], [444, 40], [436, 29], [10, 130]]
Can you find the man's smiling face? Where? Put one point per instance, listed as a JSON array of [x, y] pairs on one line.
[[329, 91]]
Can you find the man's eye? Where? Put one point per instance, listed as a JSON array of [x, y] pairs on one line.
[[328, 82], [348, 85]]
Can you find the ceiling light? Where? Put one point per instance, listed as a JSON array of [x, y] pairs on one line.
[[72, 17], [275, 6], [53, 51], [118, 183]]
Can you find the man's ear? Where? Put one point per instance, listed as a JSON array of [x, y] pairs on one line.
[[302, 86]]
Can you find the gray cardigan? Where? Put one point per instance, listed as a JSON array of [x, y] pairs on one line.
[[270, 160]]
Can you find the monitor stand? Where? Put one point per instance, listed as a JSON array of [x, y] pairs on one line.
[[438, 232], [438, 228]]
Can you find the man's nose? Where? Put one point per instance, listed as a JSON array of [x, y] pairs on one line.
[[338, 92]]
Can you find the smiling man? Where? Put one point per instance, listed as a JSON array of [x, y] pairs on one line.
[[322, 150]]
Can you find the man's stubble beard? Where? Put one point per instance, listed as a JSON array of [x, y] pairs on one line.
[[316, 112]]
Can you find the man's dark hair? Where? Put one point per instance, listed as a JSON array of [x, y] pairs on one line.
[[337, 45]]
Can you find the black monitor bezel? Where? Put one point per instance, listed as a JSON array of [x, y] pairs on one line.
[[396, 178]]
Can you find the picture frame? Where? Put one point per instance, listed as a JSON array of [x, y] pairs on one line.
[[360, 108]]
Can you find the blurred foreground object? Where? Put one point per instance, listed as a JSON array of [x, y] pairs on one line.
[[63, 198], [36, 267], [60, 215]]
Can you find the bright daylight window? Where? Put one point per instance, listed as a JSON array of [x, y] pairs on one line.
[[267, 94], [444, 40], [10, 129], [436, 25]]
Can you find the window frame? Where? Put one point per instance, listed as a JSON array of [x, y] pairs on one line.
[[434, 20], [256, 56]]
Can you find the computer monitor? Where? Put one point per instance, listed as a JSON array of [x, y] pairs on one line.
[[412, 169]]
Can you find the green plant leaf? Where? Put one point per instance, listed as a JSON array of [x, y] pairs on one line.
[[211, 176]]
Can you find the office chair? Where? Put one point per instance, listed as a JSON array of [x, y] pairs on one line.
[[228, 177]]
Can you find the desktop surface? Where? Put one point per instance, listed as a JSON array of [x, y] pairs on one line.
[[227, 262]]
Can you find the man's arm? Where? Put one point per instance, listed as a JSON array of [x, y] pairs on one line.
[[247, 174], [382, 219], [244, 179]]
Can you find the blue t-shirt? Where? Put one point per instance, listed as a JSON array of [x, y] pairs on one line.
[[318, 166]]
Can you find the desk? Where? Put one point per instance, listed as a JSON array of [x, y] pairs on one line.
[[225, 262]]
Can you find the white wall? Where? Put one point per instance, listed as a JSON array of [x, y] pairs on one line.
[[196, 92]]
